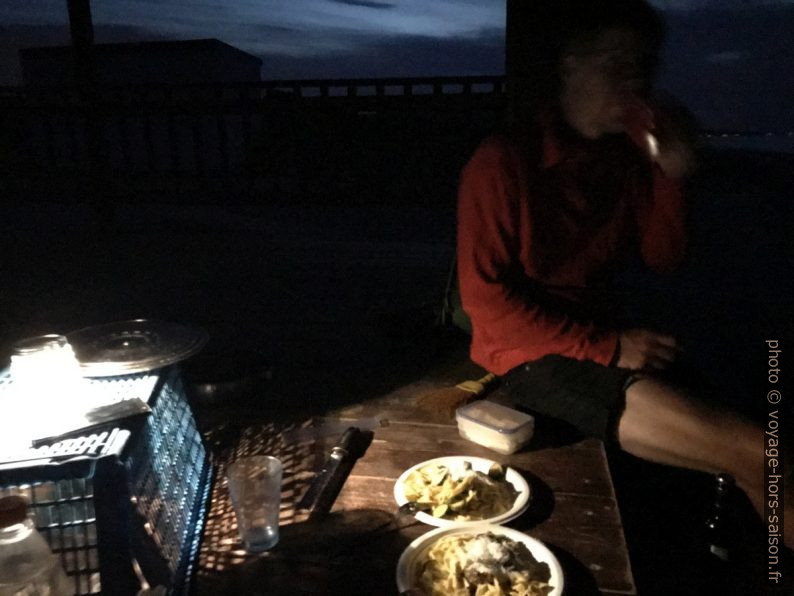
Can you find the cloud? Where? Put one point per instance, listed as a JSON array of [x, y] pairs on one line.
[[277, 26], [333, 56], [396, 56], [212, 18], [719, 5], [33, 12], [728, 69], [365, 4]]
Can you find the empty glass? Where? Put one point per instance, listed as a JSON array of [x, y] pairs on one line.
[[255, 490]]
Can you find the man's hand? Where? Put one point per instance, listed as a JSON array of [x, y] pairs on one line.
[[641, 349], [666, 131], [676, 138]]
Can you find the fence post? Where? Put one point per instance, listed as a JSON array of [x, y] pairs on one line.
[[82, 33]]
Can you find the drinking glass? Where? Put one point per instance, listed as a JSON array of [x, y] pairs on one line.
[[255, 490]]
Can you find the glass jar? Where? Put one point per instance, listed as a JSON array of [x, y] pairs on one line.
[[47, 391]]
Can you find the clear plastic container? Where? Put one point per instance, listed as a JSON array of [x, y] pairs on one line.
[[27, 566], [492, 425]]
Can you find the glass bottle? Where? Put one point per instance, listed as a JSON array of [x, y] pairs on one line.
[[27, 566], [720, 525]]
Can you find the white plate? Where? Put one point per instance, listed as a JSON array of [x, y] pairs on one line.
[[455, 464], [414, 552]]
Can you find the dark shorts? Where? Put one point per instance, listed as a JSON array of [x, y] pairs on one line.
[[583, 393]]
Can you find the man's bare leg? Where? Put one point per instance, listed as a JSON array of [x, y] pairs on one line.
[[661, 425]]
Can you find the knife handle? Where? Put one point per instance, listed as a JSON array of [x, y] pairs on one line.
[[327, 496], [324, 489]]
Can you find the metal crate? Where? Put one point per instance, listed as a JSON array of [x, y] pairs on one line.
[[124, 501]]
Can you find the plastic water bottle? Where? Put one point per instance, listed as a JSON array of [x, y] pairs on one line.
[[27, 566]]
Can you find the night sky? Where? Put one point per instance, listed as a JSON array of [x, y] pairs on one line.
[[735, 56]]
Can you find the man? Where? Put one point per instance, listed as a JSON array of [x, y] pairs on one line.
[[548, 210]]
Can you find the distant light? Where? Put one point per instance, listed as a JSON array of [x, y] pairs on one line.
[[725, 57]]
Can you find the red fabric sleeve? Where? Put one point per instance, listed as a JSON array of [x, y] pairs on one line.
[[493, 230], [661, 224]]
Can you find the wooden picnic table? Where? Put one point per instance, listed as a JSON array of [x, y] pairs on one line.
[[355, 549]]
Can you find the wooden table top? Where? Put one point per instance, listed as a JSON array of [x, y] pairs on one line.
[[355, 550]]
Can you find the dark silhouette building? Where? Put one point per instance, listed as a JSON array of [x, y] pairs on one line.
[[151, 62]]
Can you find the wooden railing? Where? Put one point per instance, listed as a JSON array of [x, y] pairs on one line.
[[277, 136], [397, 139], [392, 87]]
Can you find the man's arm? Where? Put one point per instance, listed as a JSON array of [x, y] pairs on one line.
[[661, 223], [661, 213], [660, 217], [505, 321]]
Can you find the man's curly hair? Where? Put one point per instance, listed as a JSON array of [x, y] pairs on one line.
[[540, 32]]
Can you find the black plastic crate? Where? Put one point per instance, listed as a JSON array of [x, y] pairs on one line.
[[124, 501]]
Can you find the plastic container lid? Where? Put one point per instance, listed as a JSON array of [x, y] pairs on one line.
[[13, 510]]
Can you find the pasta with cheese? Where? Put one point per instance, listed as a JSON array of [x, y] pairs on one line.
[[483, 564]]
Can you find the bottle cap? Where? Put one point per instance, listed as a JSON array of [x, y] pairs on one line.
[[13, 510]]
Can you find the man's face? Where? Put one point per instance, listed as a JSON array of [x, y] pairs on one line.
[[601, 80]]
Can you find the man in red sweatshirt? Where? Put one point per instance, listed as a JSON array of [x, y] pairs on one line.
[[547, 211]]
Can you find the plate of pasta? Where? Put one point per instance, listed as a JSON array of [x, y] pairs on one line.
[[462, 490], [483, 559]]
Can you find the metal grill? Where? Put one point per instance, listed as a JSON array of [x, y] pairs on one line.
[[107, 499]]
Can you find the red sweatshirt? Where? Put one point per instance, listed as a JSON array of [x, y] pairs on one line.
[[538, 236]]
